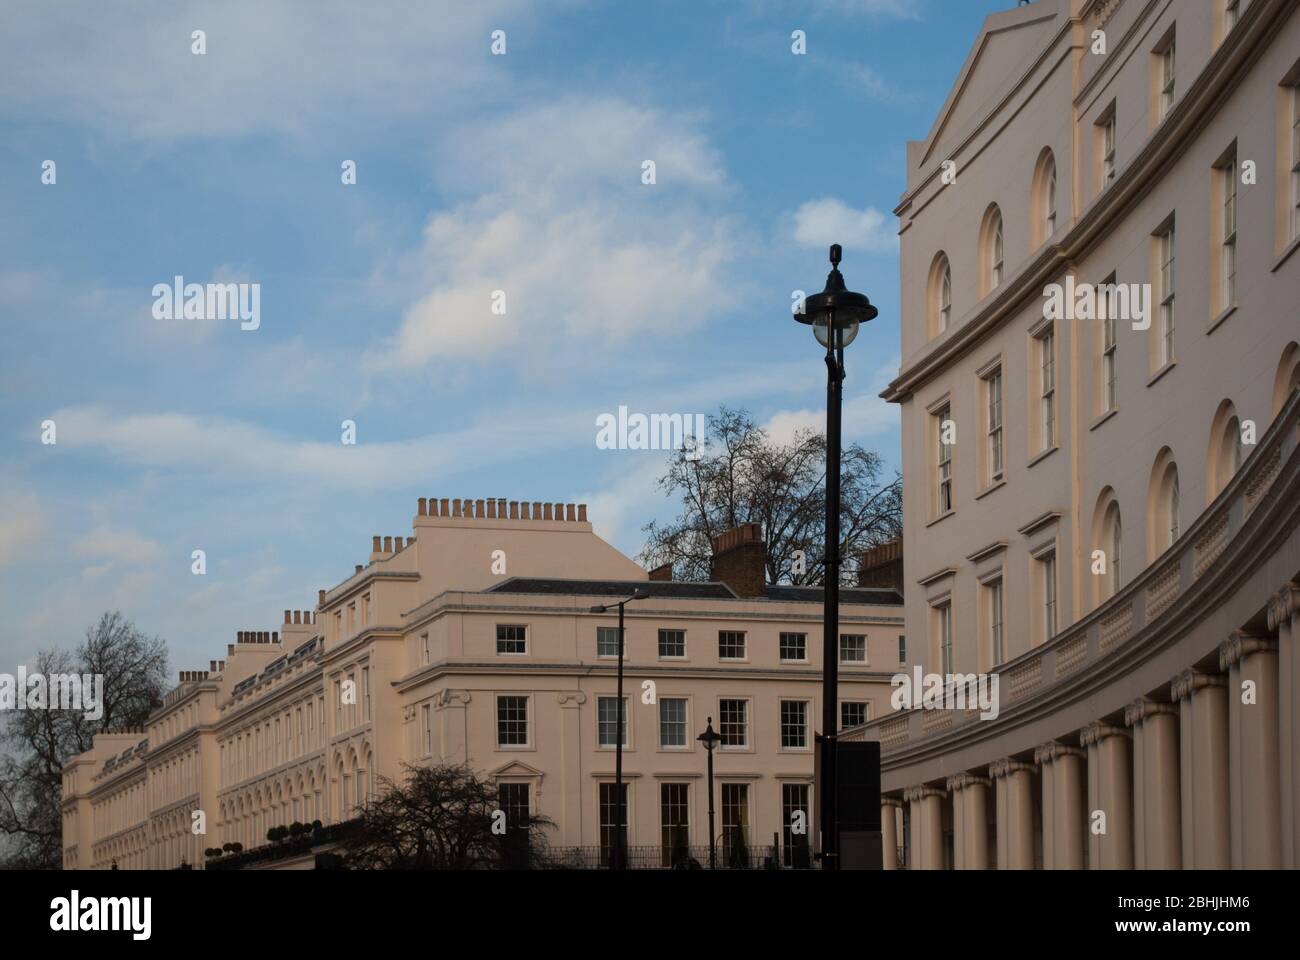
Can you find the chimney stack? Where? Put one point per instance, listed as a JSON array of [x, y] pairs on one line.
[[663, 573], [882, 566], [739, 560]]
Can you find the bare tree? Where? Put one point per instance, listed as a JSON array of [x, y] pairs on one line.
[[745, 476], [37, 743], [441, 817]]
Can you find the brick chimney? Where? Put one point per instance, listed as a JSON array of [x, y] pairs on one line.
[[739, 556], [663, 572], [882, 566]]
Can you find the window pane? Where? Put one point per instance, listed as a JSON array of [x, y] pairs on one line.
[[672, 643], [733, 724], [672, 722]]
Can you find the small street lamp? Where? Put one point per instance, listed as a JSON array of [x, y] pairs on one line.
[[620, 805], [710, 739], [835, 316]]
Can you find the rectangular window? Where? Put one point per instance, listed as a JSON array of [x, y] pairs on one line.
[[674, 819], [425, 657], [672, 722], [853, 713], [607, 721], [853, 648], [338, 705], [514, 802], [607, 642], [512, 721], [302, 743], [902, 649], [1295, 160], [351, 713], [944, 613], [994, 596], [733, 722], [794, 647], [943, 476], [365, 608], [731, 645], [1228, 254], [352, 618], [735, 824], [609, 815], [1167, 297], [1108, 150], [365, 692], [794, 724], [426, 726], [993, 391], [794, 846], [1108, 347], [1047, 389], [1167, 82], [320, 712], [512, 639], [672, 644], [1049, 595]]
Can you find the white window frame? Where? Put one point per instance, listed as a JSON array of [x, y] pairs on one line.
[[782, 703], [745, 703], [943, 468], [1109, 351], [1168, 288], [1108, 150], [1168, 78], [601, 701], [686, 724], [944, 612], [1046, 340], [994, 410], [1228, 226]]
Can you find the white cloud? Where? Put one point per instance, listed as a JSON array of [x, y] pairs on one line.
[[117, 548], [584, 252], [864, 416], [819, 223], [21, 523], [272, 66]]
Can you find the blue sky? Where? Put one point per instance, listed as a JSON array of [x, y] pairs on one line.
[[475, 173]]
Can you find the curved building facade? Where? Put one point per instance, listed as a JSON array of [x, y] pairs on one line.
[[1100, 427]]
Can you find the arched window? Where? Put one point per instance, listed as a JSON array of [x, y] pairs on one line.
[[939, 295], [1164, 508], [1225, 454], [1108, 540], [992, 250], [1043, 201], [1287, 380]]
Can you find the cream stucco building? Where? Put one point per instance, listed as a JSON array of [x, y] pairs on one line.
[[473, 640], [1105, 515]]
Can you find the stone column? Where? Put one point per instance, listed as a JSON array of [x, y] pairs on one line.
[[890, 807], [1283, 613], [572, 787], [1254, 788], [927, 827], [1110, 794], [1063, 802], [970, 815], [1203, 769], [1015, 813], [1157, 813]]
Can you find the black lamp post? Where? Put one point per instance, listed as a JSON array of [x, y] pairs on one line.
[[710, 739], [620, 805], [835, 315]]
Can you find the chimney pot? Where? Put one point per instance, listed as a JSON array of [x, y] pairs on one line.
[[570, 513], [374, 544], [388, 544], [230, 650], [478, 508], [739, 560], [286, 616], [442, 507], [582, 513], [320, 598], [492, 509], [212, 666], [275, 636], [537, 509], [424, 507], [358, 570], [514, 509], [455, 508], [546, 511]]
